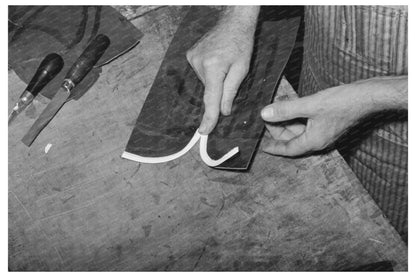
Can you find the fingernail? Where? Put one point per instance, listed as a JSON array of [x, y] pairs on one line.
[[225, 109], [267, 113]]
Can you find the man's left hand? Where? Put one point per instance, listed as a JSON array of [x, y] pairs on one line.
[[329, 114]]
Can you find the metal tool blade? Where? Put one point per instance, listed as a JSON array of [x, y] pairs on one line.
[[50, 66], [12, 116], [48, 113], [25, 99]]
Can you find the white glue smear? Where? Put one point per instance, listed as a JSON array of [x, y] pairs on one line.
[[202, 152]]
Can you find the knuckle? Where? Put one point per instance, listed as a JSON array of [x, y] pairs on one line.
[[211, 62], [188, 55], [193, 60], [211, 100], [243, 67]]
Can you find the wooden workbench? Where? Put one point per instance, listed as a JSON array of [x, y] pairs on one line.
[[81, 207]]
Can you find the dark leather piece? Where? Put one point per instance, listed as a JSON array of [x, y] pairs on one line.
[[173, 109], [244, 128], [36, 31]]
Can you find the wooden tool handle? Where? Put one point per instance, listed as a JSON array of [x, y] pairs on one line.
[[47, 70], [88, 59]]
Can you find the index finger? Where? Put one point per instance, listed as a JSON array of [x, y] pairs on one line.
[[214, 83]]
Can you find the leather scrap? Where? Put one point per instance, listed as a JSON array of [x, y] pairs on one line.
[[36, 31]]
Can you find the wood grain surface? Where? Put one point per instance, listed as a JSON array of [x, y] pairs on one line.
[[81, 207]]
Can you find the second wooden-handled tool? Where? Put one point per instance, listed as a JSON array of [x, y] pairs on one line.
[[78, 71]]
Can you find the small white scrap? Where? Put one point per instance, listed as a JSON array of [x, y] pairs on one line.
[[47, 147]]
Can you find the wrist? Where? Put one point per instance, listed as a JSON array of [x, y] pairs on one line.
[[242, 18], [386, 93]]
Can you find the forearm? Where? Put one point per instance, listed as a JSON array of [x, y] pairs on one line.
[[241, 17], [387, 93]]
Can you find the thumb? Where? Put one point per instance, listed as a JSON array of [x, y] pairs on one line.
[[288, 109]]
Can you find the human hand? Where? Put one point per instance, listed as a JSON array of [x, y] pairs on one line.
[[221, 59], [329, 114]]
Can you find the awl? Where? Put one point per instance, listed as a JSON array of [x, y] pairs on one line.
[[47, 70], [76, 73]]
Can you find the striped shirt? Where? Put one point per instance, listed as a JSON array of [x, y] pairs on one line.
[[344, 44]]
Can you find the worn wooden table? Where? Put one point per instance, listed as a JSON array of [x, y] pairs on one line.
[[81, 207]]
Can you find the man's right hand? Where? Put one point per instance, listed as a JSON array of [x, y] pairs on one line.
[[221, 59]]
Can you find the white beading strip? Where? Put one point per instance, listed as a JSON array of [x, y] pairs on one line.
[[202, 152], [205, 157], [156, 160]]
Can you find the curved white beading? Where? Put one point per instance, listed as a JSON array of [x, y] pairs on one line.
[[202, 152], [155, 160]]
